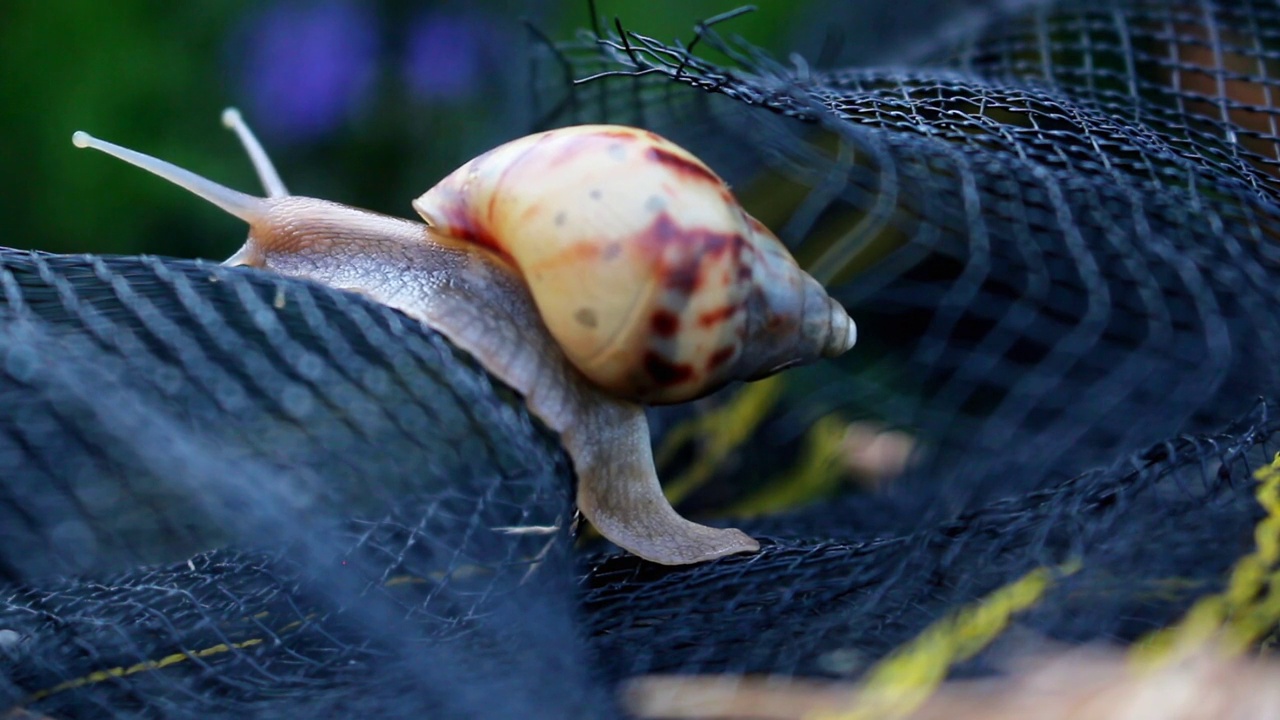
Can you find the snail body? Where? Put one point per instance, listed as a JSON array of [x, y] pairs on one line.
[[591, 269]]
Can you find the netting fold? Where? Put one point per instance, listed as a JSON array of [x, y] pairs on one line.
[[224, 493]]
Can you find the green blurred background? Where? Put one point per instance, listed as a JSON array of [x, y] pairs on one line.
[[363, 103]]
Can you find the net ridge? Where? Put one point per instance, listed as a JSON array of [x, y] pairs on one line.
[[1036, 258]]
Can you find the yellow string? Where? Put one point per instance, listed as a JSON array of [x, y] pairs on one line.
[[720, 431], [119, 672], [98, 676], [1242, 614], [900, 683], [819, 469]]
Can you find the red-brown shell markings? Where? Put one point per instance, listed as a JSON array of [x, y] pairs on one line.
[[460, 223], [578, 255], [720, 357], [665, 373], [694, 267], [712, 318], [687, 167], [679, 270], [665, 323]]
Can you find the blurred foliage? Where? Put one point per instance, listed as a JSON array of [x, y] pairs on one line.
[[363, 103]]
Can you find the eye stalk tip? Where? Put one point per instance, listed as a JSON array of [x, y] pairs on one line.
[[231, 118], [81, 139]]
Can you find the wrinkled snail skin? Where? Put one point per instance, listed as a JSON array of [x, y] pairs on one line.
[[467, 275], [481, 305]]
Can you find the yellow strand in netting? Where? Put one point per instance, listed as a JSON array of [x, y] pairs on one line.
[[900, 683], [1245, 612], [817, 472], [118, 672], [718, 433]]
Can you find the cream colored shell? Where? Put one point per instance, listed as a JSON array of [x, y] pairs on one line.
[[650, 276]]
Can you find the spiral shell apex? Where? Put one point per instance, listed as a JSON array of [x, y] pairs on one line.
[[658, 286]]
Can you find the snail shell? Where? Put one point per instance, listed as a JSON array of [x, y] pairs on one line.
[[588, 268], [658, 286]]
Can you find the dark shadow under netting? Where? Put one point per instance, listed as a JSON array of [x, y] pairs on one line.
[[226, 493]]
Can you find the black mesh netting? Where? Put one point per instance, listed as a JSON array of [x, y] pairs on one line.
[[225, 493], [1065, 226]]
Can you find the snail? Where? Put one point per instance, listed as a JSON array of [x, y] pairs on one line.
[[592, 269]]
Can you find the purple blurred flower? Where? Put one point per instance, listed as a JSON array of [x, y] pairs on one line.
[[447, 55], [307, 64]]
